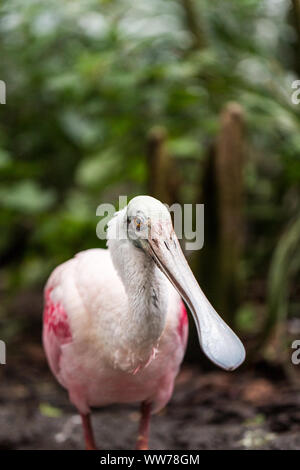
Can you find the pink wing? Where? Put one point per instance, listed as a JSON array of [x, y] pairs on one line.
[[56, 330], [183, 325]]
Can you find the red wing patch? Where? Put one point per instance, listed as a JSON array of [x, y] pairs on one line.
[[56, 320], [183, 324]]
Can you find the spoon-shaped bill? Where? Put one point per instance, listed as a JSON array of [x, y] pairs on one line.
[[218, 341]]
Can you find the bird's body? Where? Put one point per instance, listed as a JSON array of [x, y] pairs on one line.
[[115, 327], [87, 341]]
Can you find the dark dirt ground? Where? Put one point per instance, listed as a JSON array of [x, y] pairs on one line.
[[209, 410]]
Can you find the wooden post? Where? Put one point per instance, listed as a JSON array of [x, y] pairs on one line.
[[222, 195], [229, 164]]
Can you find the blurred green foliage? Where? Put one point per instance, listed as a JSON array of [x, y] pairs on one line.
[[87, 80]]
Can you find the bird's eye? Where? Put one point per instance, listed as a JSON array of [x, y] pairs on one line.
[[138, 224]]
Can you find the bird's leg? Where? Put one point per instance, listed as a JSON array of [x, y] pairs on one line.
[[88, 432], [143, 437]]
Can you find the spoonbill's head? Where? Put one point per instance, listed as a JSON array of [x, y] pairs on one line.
[[149, 227]]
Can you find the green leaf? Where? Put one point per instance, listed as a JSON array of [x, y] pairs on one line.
[[50, 411], [26, 196]]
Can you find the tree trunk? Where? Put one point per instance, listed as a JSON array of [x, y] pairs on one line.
[[163, 180], [294, 19], [193, 23], [229, 164], [224, 225]]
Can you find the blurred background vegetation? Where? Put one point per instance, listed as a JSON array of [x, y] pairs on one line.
[[187, 100]]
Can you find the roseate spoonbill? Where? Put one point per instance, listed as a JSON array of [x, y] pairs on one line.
[[115, 327]]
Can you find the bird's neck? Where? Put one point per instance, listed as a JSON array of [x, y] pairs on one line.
[[143, 321], [147, 294]]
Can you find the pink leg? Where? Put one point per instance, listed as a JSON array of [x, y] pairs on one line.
[[143, 437], [88, 432]]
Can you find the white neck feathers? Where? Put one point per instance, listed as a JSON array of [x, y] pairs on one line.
[[144, 319]]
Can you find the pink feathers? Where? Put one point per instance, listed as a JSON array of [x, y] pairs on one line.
[[56, 320], [86, 320], [56, 331], [183, 325]]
